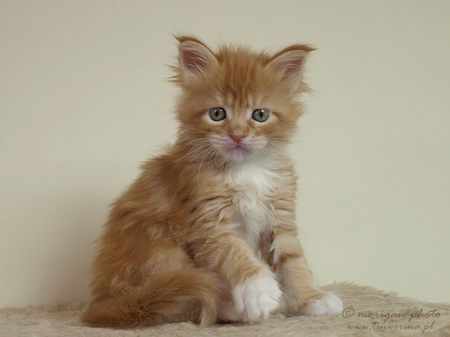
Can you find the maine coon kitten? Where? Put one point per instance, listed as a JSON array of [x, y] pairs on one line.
[[208, 231]]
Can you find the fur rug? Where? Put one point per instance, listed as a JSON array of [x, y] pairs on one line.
[[367, 312]]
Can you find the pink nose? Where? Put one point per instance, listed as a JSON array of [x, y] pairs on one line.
[[237, 137]]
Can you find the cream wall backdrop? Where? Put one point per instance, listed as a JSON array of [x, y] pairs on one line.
[[84, 100]]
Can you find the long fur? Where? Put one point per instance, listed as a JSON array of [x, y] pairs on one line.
[[163, 298], [207, 232]]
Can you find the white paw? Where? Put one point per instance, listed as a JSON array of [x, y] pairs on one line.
[[253, 300], [328, 304]]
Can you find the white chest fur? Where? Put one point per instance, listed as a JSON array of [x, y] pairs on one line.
[[255, 187]]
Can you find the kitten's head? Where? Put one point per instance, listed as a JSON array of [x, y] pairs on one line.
[[236, 104]]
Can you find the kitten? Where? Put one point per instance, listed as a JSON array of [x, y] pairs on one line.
[[208, 232]]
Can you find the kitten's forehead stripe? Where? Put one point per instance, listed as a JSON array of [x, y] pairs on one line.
[[243, 74]]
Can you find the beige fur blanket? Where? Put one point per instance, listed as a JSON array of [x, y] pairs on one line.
[[367, 312]]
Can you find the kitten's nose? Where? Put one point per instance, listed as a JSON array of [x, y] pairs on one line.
[[237, 137]]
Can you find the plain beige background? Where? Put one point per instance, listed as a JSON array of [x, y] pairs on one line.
[[84, 100]]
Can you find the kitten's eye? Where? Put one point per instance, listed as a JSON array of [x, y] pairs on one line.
[[260, 115], [217, 114]]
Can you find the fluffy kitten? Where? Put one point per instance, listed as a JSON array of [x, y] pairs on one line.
[[208, 232]]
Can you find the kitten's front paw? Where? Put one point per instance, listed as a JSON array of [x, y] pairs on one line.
[[253, 300], [327, 304]]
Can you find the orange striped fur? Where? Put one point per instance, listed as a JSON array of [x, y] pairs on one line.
[[208, 233]]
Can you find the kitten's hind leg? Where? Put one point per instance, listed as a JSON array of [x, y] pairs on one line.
[[150, 282], [165, 297]]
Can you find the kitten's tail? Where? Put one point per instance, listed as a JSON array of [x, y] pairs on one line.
[[166, 297]]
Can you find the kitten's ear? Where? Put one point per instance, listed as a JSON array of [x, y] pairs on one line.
[[194, 56], [290, 63]]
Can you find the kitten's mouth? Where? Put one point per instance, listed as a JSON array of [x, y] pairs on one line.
[[235, 150], [238, 151], [239, 146]]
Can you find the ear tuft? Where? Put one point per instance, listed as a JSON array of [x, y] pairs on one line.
[[194, 56], [290, 62]]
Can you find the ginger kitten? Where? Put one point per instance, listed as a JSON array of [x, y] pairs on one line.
[[208, 232]]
